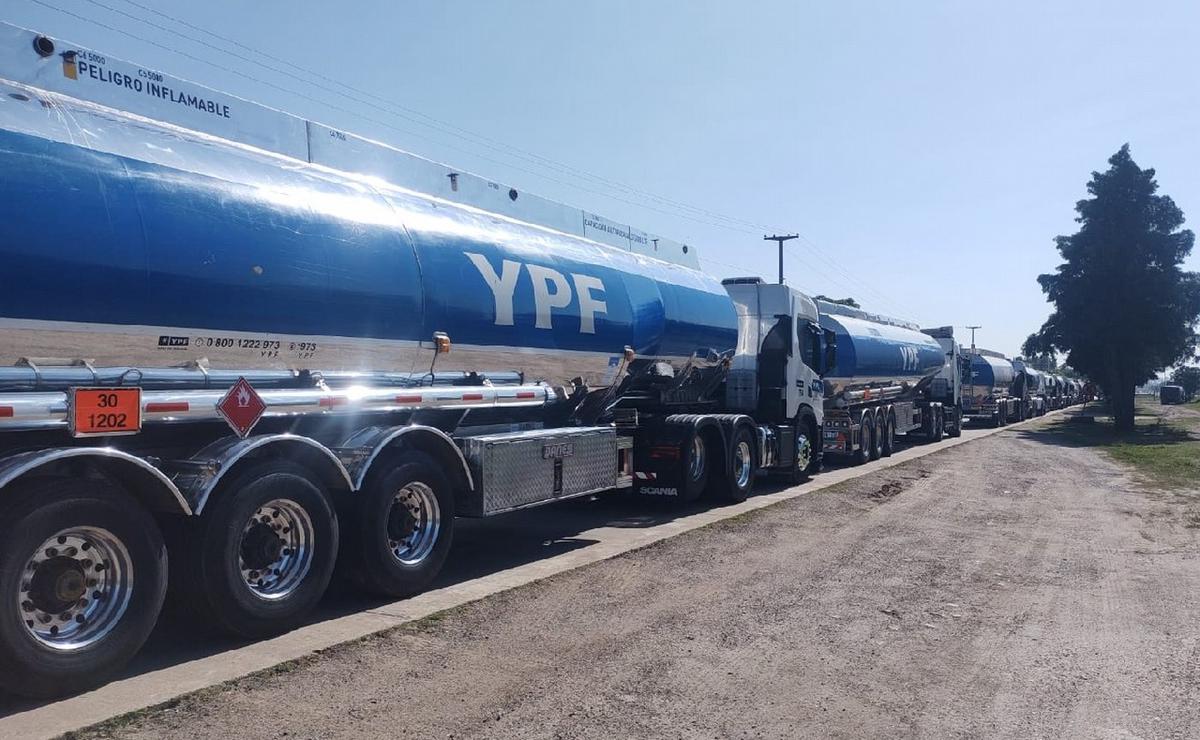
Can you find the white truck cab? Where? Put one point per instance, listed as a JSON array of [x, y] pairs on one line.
[[781, 354]]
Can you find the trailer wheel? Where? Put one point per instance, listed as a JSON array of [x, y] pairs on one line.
[[401, 527], [865, 432], [956, 422], [889, 434], [695, 469], [877, 435], [83, 573], [259, 558], [738, 480]]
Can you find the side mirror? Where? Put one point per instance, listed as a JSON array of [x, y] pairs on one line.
[[830, 352]]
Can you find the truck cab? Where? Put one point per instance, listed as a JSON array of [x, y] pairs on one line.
[[781, 355], [946, 388]]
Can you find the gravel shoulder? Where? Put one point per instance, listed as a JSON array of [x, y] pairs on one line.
[[1013, 586]]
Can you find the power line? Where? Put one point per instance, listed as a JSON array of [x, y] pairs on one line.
[[377, 121], [406, 112]]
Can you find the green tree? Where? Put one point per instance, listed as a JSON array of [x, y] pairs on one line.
[[1188, 377], [1123, 308], [1044, 361]]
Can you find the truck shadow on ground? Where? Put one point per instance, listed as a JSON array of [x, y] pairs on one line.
[[481, 547]]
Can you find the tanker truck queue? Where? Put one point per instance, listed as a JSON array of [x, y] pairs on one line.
[[244, 348]]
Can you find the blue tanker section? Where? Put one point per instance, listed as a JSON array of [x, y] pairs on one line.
[[91, 237], [871, 353], [991, 372]]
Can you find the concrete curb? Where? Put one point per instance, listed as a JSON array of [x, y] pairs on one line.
[[156, 687]]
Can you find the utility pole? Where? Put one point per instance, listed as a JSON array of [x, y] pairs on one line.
[[973, 328], [971, 373], [780, 240]]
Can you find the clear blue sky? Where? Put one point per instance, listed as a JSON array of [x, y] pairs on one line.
[[929, 152]]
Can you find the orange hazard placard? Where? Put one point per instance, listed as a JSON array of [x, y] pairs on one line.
[[101, 411]]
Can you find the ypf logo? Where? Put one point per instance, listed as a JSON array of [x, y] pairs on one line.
[[551, 290]]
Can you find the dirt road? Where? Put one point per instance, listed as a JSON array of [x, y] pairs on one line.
[[1010, 587]]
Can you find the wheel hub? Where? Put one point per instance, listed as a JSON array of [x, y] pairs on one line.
[[75, 588], [803, 452], [57, 584], [261, 547], [276, 550], [414, 523], [401, 523]]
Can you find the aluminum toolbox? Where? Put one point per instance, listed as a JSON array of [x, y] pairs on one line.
[[518, 469]]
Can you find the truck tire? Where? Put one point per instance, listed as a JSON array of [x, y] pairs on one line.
[[955, 423], [737, 481], [866, 427], [400, 527], [83, 573], [877, 434], [804, 458], [889, 435], [939, 424], [259, 557], [694, 475]]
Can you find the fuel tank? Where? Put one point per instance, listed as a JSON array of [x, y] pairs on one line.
[[133, 243], [990, 376], [872, 353]]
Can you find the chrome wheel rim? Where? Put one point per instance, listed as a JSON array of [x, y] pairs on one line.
[[276, 549], [414, 523], [75, 588], [803, 452], [743, 465], [696, 463]]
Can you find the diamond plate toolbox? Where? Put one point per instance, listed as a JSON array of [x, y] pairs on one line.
[[519, 469]]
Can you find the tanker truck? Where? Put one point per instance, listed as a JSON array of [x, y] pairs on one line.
[[1035, 388], [994, 391], [239, 347], [882, 385], [1057, 392]]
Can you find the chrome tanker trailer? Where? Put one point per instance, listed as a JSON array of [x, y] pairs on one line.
[[988, 395], [1034, 382], [241, 346], [1057, 393], [881, 384]]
